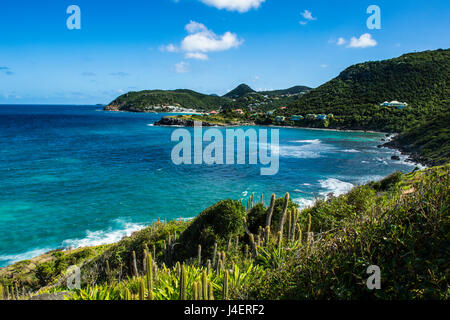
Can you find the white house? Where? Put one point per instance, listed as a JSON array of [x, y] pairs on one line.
[[395, 104]]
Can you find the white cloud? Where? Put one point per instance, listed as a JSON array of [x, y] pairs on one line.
[[182, 67], [201, 39], [308, 15], [234, 5], [196, 55], [365, 41], [341, 41], [324, 66], [193, 27], [169, 48]]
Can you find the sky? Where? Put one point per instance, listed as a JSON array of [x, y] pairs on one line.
[[210, 46]]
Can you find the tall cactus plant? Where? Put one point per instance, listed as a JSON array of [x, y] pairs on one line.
[[183, 283], [270, 211], [226, 280], [149, 276], [283, 214]]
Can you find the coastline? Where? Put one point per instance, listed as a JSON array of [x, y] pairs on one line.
[[389, 144], [247, 125]]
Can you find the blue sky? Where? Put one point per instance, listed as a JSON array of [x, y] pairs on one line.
[[209, 46]]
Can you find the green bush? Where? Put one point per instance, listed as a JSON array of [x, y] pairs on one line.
[[256, 217], [217, 224]]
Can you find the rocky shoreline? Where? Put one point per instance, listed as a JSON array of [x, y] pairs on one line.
[[179, 122], [390, 142]]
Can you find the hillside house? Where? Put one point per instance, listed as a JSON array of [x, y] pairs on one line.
[[395, 104], [296, 118]]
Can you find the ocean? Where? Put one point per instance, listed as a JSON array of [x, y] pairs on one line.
[[74, 176]]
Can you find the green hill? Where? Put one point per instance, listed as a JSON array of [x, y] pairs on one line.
[[291, 91], [145, 100], [420, 79], [240, 91]]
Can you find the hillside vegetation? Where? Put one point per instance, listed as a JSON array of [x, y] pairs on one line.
[[236, 250], [144, 100], [420, 79], [241, 97]]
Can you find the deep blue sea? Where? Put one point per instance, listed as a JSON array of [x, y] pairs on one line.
[[74, 176]]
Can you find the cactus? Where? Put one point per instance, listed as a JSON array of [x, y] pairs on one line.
[[141, 290], [251, 200], [149, 266], [215, 254], [1, 292], [183, 284], [211, 292], [219, 266], [127, 295], [134, 262], [289, 229], [262, 199], [225, 285], [224, 257], [267, 234], [309, 222], [199, 258], [178, 268], [246, 251], [205, 285], [283, 214], [195, 290], [253, 244], [208, 266], [294, 224], [270, 211], [154, 251], [200, 290], [300, 234]]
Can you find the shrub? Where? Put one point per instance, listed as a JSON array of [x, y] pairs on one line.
[[256, 217], [218, 223]]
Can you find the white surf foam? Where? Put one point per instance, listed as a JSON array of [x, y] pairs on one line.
[[351, 151], [10, 259], [337, 187], [101, 237], [304, 203], [311, 149], [315, 141]]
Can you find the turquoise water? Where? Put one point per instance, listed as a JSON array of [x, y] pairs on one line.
[[75, 175]]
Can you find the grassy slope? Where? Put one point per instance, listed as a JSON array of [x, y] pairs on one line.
[[400, 224]]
